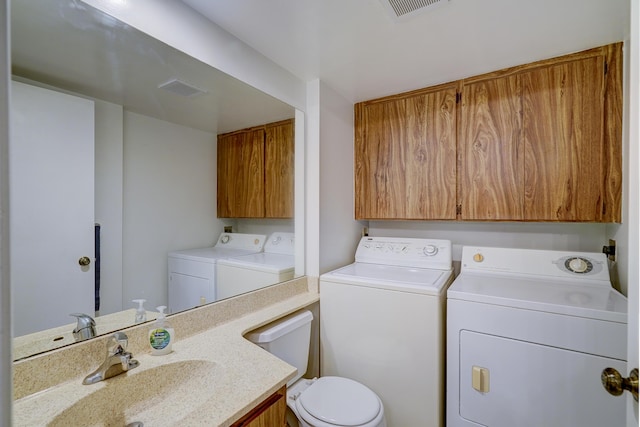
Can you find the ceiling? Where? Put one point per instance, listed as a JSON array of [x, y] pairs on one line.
[[72, 46], [360, 50]]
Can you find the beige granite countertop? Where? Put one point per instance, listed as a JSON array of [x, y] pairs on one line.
[[227, 375]]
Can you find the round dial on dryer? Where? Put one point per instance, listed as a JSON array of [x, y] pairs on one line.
[[430, 250], [578, 265]]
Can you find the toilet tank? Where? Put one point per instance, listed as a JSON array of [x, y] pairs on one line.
[[288, 339]]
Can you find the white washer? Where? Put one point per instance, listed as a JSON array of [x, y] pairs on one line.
[[528, 335], [245, 273], [192, 272], [382, 324]]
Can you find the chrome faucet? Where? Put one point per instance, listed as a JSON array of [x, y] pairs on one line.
[[117, 361], [86, 327]]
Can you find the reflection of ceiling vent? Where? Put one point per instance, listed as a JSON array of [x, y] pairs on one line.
[[406, 8], [181, 88]]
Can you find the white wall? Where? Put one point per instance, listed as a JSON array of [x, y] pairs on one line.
[[6, 386], [312, 180], [339, 233], [174, 168]]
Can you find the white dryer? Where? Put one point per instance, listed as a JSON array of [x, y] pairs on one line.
[[529, 333], [192, 272], [240, 274], [382, 324]]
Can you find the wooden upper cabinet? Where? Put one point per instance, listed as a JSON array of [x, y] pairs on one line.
[[279, 170], [542, 142], [241, 174], [405, 156], [563, 141], [256, 172], [490, 149]]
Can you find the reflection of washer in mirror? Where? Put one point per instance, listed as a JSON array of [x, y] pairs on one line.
[[578, 264]]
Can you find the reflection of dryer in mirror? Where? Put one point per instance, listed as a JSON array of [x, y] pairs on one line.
[[192, 272], [246, 273]]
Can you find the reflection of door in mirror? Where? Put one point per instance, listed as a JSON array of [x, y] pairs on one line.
[[52, 215]]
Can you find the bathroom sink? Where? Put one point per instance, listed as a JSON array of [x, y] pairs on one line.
[[162, 395]]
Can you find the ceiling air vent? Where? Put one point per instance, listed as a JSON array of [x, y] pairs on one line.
[[402, 9], [181, 88]]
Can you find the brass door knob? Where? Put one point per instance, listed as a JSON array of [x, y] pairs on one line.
[[615, 384], [84, 261]]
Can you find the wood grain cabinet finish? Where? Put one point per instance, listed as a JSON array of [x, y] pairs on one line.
[[270, 413], [537, 142], [279, 167], [405, 156], [255, 172], [542, 142]]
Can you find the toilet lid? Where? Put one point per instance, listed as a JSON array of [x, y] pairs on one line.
[[340, 401]]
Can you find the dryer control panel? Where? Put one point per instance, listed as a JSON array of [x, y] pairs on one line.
[[539, 263]]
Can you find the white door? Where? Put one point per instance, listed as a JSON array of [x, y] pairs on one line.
[[51, 155]]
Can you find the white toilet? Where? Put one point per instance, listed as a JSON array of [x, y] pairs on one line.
[[322, 402]]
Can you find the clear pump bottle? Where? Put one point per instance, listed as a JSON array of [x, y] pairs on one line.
[[141, 313]]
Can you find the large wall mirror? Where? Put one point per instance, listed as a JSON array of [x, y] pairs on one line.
[[150, 170]]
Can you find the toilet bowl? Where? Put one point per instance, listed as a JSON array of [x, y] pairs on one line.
[[318, 402], [334, 401]]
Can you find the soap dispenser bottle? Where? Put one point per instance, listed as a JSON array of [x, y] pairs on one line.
[[141, 314], [161, 336]]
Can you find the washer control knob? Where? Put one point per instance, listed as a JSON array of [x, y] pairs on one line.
[[478, 257], [430, 250], [578, 265]]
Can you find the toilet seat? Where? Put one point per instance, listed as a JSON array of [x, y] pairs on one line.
[[336, 401]]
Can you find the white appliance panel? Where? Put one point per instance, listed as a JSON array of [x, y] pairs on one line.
[[268, 262], [539, 328], [417, 280], [536, 263], [186, 291], [407, 252], [240, 274], [192, 272], [574, 298], [392, 342], [531, 385], [232, 280]]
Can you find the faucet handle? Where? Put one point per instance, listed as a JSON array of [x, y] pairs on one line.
[[117, 344]]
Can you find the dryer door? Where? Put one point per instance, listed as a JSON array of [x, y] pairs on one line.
[[519, 383]]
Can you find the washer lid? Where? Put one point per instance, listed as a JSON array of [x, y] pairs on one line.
[[262, 261], [209, 255], [409, 279], [340, 401]]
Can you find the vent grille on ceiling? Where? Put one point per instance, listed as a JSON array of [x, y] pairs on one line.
[[181, 88], [405, 8]]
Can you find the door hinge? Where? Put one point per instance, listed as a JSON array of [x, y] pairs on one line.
[[458, 209]]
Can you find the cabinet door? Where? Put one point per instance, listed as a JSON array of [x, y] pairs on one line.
[[279, 170], [405, 156], [491, 160], [270, 413], [563, 135], [241, 174]]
